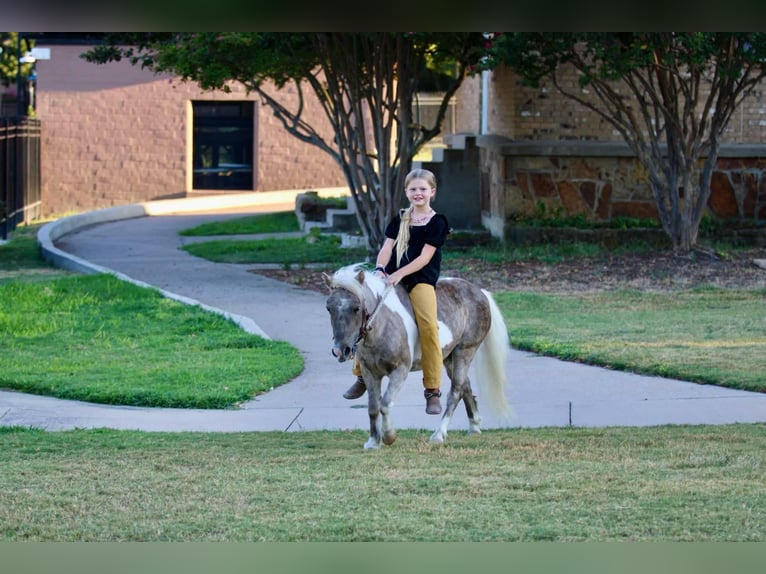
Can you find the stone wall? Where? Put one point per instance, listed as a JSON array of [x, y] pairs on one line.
[[602, 181], [114, 134]]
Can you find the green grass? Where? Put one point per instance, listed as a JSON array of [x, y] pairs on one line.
[[708, 335], [278, 222], [99, 339], [685, 483], [496, 253], [21, 258], [313, 248], [21, 253]]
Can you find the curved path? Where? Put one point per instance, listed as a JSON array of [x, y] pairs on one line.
[[542, 391]]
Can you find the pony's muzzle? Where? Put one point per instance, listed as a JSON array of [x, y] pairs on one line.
[[343, 354]]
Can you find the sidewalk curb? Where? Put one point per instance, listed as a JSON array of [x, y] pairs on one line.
[[50, 232]]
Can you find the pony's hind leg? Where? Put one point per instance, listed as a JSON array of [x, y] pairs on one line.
[[471, 409], [457, 370], [453, 398]]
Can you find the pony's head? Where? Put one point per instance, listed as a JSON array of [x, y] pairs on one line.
[[353, 291]]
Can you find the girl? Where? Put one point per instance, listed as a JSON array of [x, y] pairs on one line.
[[411, 255]]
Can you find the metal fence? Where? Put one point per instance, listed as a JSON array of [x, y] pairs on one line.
[[19, 172]]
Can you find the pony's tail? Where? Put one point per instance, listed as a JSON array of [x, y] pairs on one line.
[[489, 365]]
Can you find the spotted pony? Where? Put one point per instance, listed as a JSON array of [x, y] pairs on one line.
[[375, 323]]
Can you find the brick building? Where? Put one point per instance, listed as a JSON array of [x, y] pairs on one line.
[[114, 134], [537, 148]]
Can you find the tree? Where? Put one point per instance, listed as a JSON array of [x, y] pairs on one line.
[[669, 94], [11, 49], [366, 84]]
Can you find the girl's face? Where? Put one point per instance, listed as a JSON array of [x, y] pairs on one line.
[[419, 192]]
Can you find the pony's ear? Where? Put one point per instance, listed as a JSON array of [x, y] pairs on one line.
[[360, 276], [327, 281]]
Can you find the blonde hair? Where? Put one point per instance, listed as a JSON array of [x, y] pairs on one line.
[[403, 237]]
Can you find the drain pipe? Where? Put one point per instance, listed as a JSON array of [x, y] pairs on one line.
[[485, 86], [484, 100]]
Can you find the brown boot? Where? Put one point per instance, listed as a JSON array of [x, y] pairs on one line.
[[356, 390], [433, 406]]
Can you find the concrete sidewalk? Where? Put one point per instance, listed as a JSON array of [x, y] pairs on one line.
[[144, 248]]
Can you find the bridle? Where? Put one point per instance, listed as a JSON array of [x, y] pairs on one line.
[[367, 320]]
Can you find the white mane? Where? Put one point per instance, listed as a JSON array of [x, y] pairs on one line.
[[346, 278]]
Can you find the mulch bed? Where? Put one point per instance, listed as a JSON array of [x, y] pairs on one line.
[[654, 270]]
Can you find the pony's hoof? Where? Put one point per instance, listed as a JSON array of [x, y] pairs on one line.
[[474, 430], [389, 437], [371, 444], [437, 438]]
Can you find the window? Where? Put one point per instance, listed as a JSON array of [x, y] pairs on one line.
[[223, 145]]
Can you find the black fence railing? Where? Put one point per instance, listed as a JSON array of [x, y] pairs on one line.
[[19, 172]]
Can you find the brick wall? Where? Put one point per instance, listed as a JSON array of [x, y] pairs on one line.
[[522, 113], [114, 134], [468, 106]]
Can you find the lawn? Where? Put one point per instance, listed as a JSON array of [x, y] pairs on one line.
[[96, 338], [672, 483], [699, 483], [708, 335]]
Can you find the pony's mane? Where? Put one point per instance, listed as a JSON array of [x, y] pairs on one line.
[[346, 278]]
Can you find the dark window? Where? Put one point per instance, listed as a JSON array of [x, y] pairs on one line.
[[223, 145]]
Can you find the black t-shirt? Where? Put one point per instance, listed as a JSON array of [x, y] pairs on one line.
[[433, 233]]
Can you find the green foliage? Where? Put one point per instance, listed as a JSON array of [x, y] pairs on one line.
[[9, 57], [214, 58], [580, 221], [613, 55]]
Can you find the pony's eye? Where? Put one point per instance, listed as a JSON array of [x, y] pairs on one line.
[[356, 309]]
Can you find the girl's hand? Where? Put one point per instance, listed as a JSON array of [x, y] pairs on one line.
[[394, 278]]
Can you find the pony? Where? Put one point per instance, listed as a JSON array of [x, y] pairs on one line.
[[375, 323]]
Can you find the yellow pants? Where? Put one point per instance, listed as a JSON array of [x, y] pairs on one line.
[[423, 297]]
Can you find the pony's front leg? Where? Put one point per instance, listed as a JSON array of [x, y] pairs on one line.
[[395, 381], [373, 409]]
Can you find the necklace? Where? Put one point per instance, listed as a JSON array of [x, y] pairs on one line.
[[422, 219]]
